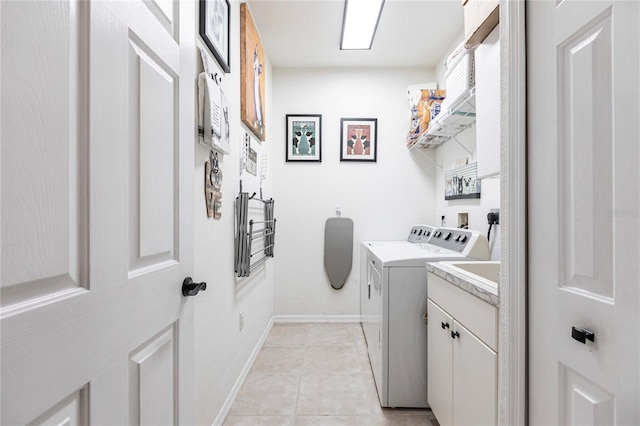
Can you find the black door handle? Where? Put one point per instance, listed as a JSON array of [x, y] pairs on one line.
[[455, 334], [189, 288], [444, 325], [582, 334]]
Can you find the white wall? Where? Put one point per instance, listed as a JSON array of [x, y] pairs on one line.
[[221, 350], [384, 199], [447, 155]]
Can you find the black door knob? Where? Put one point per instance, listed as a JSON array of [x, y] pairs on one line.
[[189, 288], [582, 334]]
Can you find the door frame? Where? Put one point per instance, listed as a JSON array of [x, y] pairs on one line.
[[512, 327]]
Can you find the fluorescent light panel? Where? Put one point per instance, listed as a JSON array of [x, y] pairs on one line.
[[359, 23]]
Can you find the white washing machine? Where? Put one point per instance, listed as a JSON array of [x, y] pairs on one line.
[[393, 306]]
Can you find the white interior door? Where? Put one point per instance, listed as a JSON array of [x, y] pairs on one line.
[[97, 158], [584, 220]]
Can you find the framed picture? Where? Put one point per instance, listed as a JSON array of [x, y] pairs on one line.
[[304, 132], [252, 75], [358, 139], [214, 29]]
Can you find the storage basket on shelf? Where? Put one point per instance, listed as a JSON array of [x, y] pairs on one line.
[[460, 76], [426, 109]]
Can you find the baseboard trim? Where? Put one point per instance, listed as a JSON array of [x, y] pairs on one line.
[[337, 319], [233, 394]]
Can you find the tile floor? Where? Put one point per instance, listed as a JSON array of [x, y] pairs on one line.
[[315, 374]]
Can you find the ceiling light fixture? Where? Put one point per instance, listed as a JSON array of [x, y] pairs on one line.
[[359, 23]]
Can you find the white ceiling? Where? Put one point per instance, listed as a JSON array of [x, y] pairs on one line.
[[306, 33]]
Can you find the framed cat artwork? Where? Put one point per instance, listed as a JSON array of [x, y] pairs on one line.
[[304, 141], [358, 139], [252, 76]]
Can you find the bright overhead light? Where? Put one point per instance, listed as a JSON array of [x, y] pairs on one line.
[[359, 23]]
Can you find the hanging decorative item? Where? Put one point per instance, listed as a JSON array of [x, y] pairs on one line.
[[358, 139], [462, 183], [213, 186], [215, 19], [213, 110], [252, 161], [244, 149], [248, 156]]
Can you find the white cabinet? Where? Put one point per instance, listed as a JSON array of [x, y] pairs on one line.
[[462, 358], [487, 68], [475, 374], [440, 363]]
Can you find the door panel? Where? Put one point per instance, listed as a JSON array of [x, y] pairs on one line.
[[73, 410], [584, 402], [153, 148], [584, 189], [95, 329], [42, 228], [585, 159], [152, 388]]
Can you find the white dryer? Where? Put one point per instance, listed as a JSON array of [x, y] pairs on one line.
[[393, 306]]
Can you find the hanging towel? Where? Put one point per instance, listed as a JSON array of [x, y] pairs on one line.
[[209, 111]]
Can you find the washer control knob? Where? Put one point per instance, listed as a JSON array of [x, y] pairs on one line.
[[446, 237], [463, 239]]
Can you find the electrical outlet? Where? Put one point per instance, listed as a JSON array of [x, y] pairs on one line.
[[241, 321], [463, 220], [494, 217]]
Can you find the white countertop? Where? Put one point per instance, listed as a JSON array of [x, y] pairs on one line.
[[479, 287]]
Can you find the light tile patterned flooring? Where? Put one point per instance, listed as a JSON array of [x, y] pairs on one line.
[[315, 374]]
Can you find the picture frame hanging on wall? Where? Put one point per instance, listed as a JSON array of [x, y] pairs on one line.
[[252, 76], [215, 19], [358, 139], [304, 137]]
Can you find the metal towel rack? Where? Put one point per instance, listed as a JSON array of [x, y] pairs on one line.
[[246, 234]]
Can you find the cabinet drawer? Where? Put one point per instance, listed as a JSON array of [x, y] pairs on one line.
[[478, 316]]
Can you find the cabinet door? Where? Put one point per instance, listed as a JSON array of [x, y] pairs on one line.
[[474, 380], [440, 363]]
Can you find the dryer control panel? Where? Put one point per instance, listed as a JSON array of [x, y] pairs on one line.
[[466, 241], [420, 234]]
